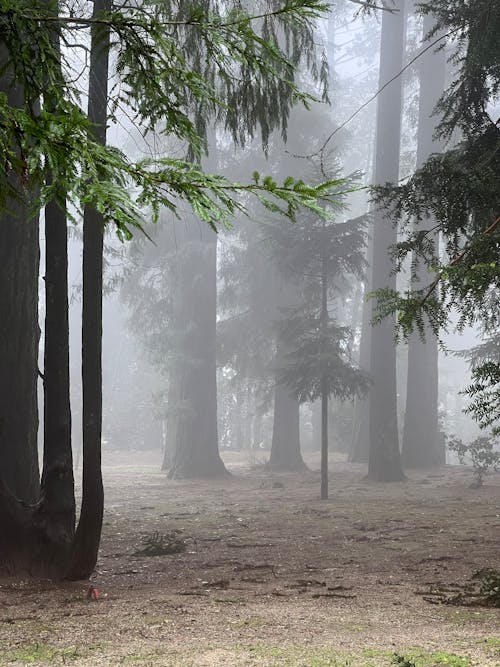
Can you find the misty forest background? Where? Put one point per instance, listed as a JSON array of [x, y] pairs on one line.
[[353, 326]]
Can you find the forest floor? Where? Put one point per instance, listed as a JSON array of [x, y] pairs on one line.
[[271, 575]]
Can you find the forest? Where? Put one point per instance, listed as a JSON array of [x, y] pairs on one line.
[[250, 333]]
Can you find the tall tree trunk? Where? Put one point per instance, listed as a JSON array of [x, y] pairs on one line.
[[384, 463], [197, 448], [420, 436], [88, 533], [360, 444], [57, 510], [285, 447], [324, 379], [19, 335], [285, 444]]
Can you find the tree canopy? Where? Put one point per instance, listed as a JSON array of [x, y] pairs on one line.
[[239, 55]]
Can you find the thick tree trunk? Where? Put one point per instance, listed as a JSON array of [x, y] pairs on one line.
[[19, 335], [285, 447], [88, 533], [420, 436], [384, 458], [57, 509], [197, 446]]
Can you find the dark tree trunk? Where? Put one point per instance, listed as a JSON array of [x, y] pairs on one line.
[[58, 499], [57, 510], [420, 435], [384, 463], [197, 447], [19, 336], [88, 533]]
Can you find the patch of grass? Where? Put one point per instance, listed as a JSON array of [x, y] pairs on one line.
[[41, 654], [377, 653], [150, 657], [461, 616], [298, 656], [492, 644], [417, 658], [251, 622]]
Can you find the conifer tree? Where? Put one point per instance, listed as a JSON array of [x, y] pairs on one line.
[[459, 190], [57, 150]]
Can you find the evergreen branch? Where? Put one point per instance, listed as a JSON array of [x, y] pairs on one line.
[[290, 7], [458, 258], [371, 5]]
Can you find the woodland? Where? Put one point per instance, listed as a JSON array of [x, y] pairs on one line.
[[249, 332]]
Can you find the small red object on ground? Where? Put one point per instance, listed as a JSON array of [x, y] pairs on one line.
[[92, 593]]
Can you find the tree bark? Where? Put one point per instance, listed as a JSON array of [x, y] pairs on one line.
[[197, 447], [384, 463], [88, 533], [420, 435], [324, 379], [57, 509], [360, 444], [19, 334], [285, 447]]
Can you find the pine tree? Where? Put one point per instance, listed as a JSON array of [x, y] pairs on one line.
[[60, 150], [459, 190]]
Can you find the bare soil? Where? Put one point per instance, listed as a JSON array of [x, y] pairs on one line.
[[271, 575]]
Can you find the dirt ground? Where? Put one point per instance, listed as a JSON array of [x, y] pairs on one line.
[[271, 575]]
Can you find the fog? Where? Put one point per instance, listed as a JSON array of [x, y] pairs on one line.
[[154, 330], [249, 333]]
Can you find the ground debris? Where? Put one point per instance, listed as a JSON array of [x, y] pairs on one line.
[[162, 544]]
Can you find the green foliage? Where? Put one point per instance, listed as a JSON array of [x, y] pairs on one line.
[[454, 196], [162, 88], [320, 356], [320, 254], [485, 388], [481, 453]]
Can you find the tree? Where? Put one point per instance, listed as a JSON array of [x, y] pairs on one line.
[[420, 434], [57, 509], [88, 533], [254, 104], [19, 256], [384, 459], [459, 190], [320, 254], [61, 150]]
